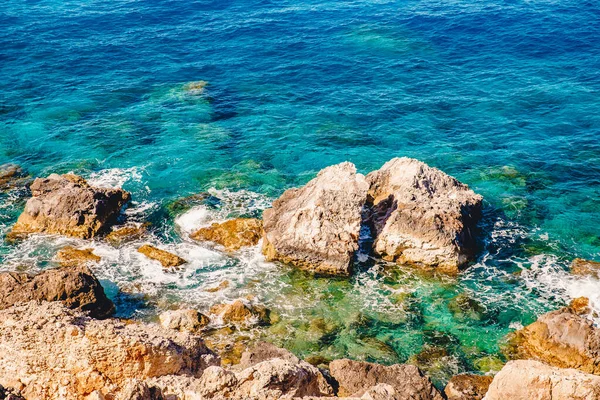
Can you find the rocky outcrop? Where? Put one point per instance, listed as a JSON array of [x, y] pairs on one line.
[[241, 312], [11, 176], [559, 338], [582, 267], [67, 205], [70, 356], [75, 286], [69, 256], [529, 380], [168, 260], [183, 320], [580, 306], [232, 234], [264, 351], [422, 216], [467, 387], [355, 378], [126, 234], [316, 227]]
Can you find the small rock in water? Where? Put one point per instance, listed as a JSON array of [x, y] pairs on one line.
[[126, 234], [580, 306], [467, 387], [196, 87], [69, 256], [167, 259], [11, 176], [223, 285], [579, 266], [184, 320], [232, 234], [242, 313]]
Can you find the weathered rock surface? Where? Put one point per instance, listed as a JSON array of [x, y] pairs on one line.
[[232, 234], [241, 312], [467, 387], [316, 227], [579, 266], [11, 176], [67, 205], [168, 260], [75, 286], [126, 234], [183, 320], [422, 215], [559, 338], [264, 351], [69, 256], [533, 380], [9, 394], [48, 351], [580, 306], [355, 378]]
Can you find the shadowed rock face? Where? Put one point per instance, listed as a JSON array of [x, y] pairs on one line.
[[528, 380], [67, 205], [316, 227], [75, 286], [467, 387], [420, 215]]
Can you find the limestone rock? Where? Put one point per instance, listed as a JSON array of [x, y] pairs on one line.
[[559, 338], [264, 351], [422, 216], [183, 320], [467, 387], [241, 312], [355, 378], [75, 286], [11, 176], [382, 391], [316, 227], [67, 205], [168, 260], [580, 306], [54, 352], [221, 286], [9, 394], [232, 234], [579, 266], [128, 233], [533, 380], [69, 256]]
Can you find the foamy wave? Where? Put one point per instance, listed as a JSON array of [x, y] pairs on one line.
[[115, 177]]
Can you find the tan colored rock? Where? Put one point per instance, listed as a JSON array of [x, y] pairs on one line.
[[196, 87], [183, 320], [232, 234], [69, 256], [11, 176], [223, 285], [67, 205], [75, 286], [241, 312], [533, 380], [467, 387], [316, 227], [355, 378], [382, 391], [579, 266], [126, 234], [422, 216], [559, 338], [54, 352], [168, 260], [580, 306], [264, 351]]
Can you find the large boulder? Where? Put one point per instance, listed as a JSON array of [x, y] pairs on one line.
[[67, 205], [75, 286], [422, 216], [533, 380], [355, 378], [183, 320], [48, 351], [467, 387], [264, 351], [232, 234], [560, 338], [316, 227]]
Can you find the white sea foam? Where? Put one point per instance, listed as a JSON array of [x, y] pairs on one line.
[[194, 219], [115, 177]]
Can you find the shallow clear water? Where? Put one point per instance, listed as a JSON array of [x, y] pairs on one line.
[[501, 94]]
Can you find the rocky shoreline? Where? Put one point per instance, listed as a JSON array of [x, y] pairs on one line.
[[58, 340]]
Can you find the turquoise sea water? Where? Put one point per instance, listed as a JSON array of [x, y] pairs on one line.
[[504, 95]]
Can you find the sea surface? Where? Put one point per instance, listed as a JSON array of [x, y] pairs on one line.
[[503, 95]]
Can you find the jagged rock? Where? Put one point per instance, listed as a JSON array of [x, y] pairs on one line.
[[467, 387], [53, 352], [533, 380], [382, 391], [232, 234], [241, 312], [126, 234], [69, 256], [9, 394], [264, 351], [75, 286], [67, 205], [183, 320], [221, 286], [579, 266], [11, 176], [316, 227], [422, 216], [355, 378], [559, 338], [168, 260], [580, 306]]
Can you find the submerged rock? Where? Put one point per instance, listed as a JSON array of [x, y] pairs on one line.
[[69, 256], [241, 312], [11, 176], [355, 378], [529, 380], [67, 205], [223, 285], [126, 234], [183, 320], [75, 286], [168, 260], [69, 355], [579, 266], [316, 227], [467, 387], [420, 215], [232, 234]]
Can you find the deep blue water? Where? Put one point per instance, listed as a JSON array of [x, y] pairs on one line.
[[504, 95]]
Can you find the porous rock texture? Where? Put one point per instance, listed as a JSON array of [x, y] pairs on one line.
[[582, 267], [467, 387], [70, 256], [183, 320], [316, 227], [232, 234], [533, 380], [67, 205], [168, 260], [75, 286], [48, 352], [422, 216]]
